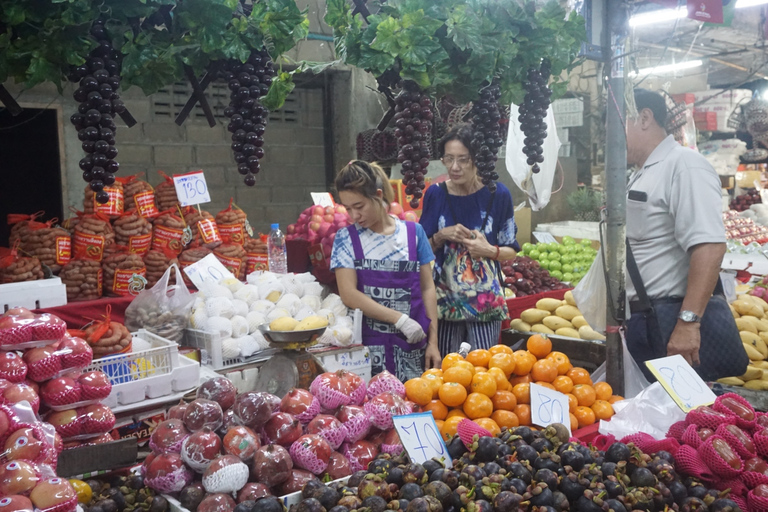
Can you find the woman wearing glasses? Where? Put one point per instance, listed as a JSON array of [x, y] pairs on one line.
[[382, 267], [470, 229]]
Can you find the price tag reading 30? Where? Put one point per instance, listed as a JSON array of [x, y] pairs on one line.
[[682, 383], [191, 188], [548, 407], [421, 438]]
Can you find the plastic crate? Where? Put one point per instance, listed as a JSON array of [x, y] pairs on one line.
[[211, 351], [43, 293], [355, 358]]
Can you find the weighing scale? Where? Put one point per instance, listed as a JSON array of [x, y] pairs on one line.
[[293, 366]]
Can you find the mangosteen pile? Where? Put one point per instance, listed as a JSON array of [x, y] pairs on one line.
[[124, 494]]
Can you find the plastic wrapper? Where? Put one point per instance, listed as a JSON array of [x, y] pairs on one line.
[[652, 411], [83, 278], [12, 394], [165, 193], [112, 208], [168, 436], [83, 422], [17, 268], [139, 196], [54, 495], [218, 502], [50, 244], [241, 442], [167, 473], [92, 235], [232, 255], [200, 449], [19, 223], [232, 223], [107, 337], [272, 465], [20, 329], [170, 232], [338, 466], [134, 232], [19, 477], [253, 409], [12, 367], [295, 482], [282, 428], [163, 309], [29, 442], [356, 422], [124, 273], [329, 428], [75, 390], [158, 262], [205, 231], [301, 403], [385, 381], [202, 413], [359, 454], [331, 390], [383, 407], [227, 474]]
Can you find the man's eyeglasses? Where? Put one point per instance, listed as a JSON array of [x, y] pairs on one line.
[[463, 161]]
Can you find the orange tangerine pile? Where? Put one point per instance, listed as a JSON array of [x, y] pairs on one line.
[[492, 387]]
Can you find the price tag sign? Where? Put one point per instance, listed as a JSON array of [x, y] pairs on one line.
[[548, 407], [544, 237], [207, 269], [322, 199], [683, 384], [421, 438], [191, 188]]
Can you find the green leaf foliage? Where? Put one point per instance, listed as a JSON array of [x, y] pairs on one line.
[[456, 47], [40, 40]]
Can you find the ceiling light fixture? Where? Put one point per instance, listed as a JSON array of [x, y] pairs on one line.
[[668, 68], [658, 16]]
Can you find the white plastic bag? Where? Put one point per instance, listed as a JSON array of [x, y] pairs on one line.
[[538, 186], [652, 411], [634, 380], [590, 295], [163, 309]]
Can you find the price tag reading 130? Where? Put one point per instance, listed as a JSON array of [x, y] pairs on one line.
[[421, 438], [191, 188], [682, 383], [548, 407]]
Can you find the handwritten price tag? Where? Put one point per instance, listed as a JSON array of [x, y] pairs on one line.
[[548, 407], [421, 438], [191, 188], [207, 269], [682, 383], [322, 199]]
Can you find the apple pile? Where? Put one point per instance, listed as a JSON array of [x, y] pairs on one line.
[[743, 229], [20, 328], [524, 276], [253, 445], [319, 224], [745, 200]]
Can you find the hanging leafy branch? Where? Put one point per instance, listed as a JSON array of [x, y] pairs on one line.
[[456, 47], [40, 40]]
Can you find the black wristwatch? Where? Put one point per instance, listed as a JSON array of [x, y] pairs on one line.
[[689, 317]]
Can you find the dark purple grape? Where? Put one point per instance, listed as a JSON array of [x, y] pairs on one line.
[[102, 197], [86, 163], [100, 159], [112, 167], [249, 180], [88, 146], [97, 185], [240, 157], [118, 106], [98, 173], [109, 179], [237, 146], [243, 168]]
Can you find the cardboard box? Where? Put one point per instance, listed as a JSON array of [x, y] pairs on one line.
[[705, 121]]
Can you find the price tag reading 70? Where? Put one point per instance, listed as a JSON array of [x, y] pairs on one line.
[[548, 406], [421, 438], [191, 188]]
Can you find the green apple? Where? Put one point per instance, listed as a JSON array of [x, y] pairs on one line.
[[568, 268], [567, 277], [578, 248], [555, 265], [553, 246], [566, 258], [555, 256], [543, 255], [568, 240], [564, 249], [542, 247], [544, 264], [527, 247], [534, 254], [586, 241], [556, 274]]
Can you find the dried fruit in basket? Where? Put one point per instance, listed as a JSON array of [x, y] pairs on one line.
[[133, 231], [205, 231], [232, 256], [113, 208], [52, 245], [83, 279], [165, 193], [15, 268], [19, 223], [92, 235], [124, 273], [233, 223], [139, 196], [170, 232]]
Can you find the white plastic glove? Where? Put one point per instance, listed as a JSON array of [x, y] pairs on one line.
[[411, 329]]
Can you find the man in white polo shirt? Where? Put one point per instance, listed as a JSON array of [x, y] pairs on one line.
[[676, 234]]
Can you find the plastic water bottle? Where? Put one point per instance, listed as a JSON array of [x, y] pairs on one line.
[[278, 257], [464, 349]]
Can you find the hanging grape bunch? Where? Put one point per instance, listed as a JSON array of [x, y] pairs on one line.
[[489, 135], [413, 123], [99, 101], [247, 116], [533, 113]]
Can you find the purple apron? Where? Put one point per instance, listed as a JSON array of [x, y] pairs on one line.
[[396, 285]]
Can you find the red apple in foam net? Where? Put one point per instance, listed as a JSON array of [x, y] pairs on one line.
[[272, 465], [26, 444], [356, 386], [167, 473], [376, 437], [385, 381], [20, 312], [253, 409], [68, 422], [252, 492], [392, 443], [15, 393], [18, 477], [54, 495], [7, 418], [301, 404], [220, 390], [48, 327], [97, 418], [12, 367], [226, 474], [282, 428], [200, 449], [75, 353], [311, 452], [338, 466], [42, 363], [242, 442], [61, 391], [329, 428], [295, 482], [34, 385], [168, 436], [318, 210], [95, 385], [330, 390], [16, 503], [383, 407], [58, 443], [360, 454], [217, 503], [102, 439], [355, 421], [177, 411], [202, 413]]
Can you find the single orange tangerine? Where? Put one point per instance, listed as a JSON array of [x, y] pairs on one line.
[[522, 393], [522, 379], [543, 370], [500, 349], [456, 412], [563, 384], [505, 418], [483, 383], [602, 409], [539, 345], [561, 362], [479, 357], [585, 416], [437, 408], [547, 385], [450, 360], [523, 413], [603, 390], [452, 394], [478, 405], [579, 376], [459, 375], [489, 425], [418, 390], [504, 361], [434, 382], [504, 400], [573, 402], [449, 427], [585, 394], [523, 362]]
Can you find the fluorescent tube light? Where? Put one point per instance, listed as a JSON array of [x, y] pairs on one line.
[[750, 3], [659, 16], [668, 68]]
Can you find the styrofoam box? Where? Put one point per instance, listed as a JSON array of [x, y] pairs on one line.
[[569, 119], [565, 150], [44, 293], [572, 228], [567, 105], [355, 358]]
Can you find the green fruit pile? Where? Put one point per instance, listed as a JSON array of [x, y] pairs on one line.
[[568, 262]]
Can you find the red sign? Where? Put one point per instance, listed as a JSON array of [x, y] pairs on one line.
[[710, 11]]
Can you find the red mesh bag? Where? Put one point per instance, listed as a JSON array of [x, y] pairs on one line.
[[736, 487], [721, 405], [468, 429], [601, 441], [756, 503], [704, 417], [745, 449], [677, 429], [741, 502], [752, 479], [647, 444], [715, 461], [691, 436], [688, 461], [761, 443]]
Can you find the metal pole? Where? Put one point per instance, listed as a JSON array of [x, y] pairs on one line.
[[615, 187]]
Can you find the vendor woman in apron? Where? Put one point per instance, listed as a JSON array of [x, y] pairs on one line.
[[382, 267]]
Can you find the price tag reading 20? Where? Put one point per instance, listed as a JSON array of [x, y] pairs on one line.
[[421, 438], [191, 188]]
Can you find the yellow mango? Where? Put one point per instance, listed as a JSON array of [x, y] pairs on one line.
[[549, 304], [567, 332], [587, 333], [533, 316], [541, 329], [759, 385], [752, 373], [731, 381], [756, 341], [578, 322], [518, 325], [285, 323], [555, 323], [752, 352], [733, 311], [747, 323], [568, 312], [311, 322], [747, 307], [569, 298]]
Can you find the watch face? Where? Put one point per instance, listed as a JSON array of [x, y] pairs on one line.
[[688, 316]]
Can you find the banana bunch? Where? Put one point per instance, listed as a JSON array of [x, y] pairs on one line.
[[752, 321], [554, 316]]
